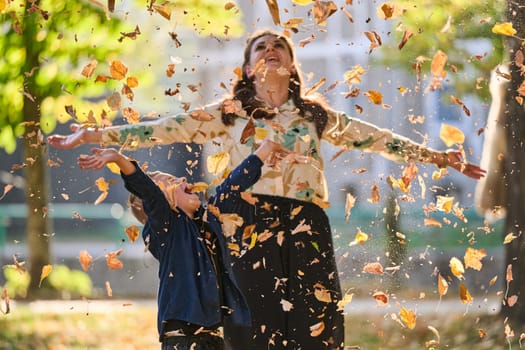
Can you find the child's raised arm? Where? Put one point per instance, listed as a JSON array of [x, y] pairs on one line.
[[103, 156]]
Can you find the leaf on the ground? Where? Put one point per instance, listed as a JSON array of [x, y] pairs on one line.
[[504, 28], [46, 270], [85, 259]]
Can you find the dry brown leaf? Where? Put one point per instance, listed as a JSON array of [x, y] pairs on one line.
[[374, 96], [273, 6], [114, 101], [132, 116], [432, 222], [473, 258], [322, 10], [132, 232], [381, 298], [163, 10], [112, 260], [89, 68], [7, 188], [374, 268], [374, 194], [301, 227], [464, 294]]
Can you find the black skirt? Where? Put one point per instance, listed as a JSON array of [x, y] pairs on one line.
[[288, 276]]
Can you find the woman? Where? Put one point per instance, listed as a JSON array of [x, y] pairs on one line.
[[285, 259]]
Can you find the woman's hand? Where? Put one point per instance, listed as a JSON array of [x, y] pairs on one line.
[[79, 136], [103, 156]]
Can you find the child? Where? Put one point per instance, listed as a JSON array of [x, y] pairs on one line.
[[197, 287]]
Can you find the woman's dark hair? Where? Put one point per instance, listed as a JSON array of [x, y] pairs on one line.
[[244, 91]]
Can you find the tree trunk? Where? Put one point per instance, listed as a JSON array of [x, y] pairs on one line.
[[515, 165], [38, 228]]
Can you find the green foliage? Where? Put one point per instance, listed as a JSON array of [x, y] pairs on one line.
[[467, 40], [17, 282], [70, 283]]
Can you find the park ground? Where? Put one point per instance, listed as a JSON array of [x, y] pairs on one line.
[[131, 325]]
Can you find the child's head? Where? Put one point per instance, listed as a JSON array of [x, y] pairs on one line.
[[177, 191]]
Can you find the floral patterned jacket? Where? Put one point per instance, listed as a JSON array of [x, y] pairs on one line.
[[300, 180]]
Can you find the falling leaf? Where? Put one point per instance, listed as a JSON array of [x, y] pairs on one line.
[[349, 204], [444, 203], [322, 10], [451, 135], [374, 194], [473, 258], [457, 101], [432, 222], [317, 329], [46, 270], [389, 10], [374, 268], [464, 294], [360, 238], [230, 223], [132, 116], [321, 293], [114, 101], [374, 96], [381, 298], [286, 305], [109, 291], [375, 40], [408, 317], [442, 286], [438, 63], [504, 29], [509, 238], [118, 70], [85, 259], [5, 300], [112, 260], [353, 76], [493, 281], [273, 6], [163, 10], [7, 188], [293, 22], [302, 2], [456, 266], [89, 68], [132, 232], [218, 162], [301, 227], [347, 299]]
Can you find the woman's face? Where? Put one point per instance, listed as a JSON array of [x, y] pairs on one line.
[[270, 54]]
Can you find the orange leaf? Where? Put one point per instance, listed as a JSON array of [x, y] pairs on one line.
[[164, 11], [349, 204], [132, 82], [374, 195], [464, 294], [374, 268], [451, 135], [7, 188], [321, 293], [408, 317], [132, 232], [374, 96], [442, 286], [322, 10], [381, 298], [89, 68], [112, 260], [109, 291], [317, 329], [438, 63], [118, 70], [273, 6], [85, 259], [46, 270]]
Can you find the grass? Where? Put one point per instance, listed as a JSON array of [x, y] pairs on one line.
[[108, 325]]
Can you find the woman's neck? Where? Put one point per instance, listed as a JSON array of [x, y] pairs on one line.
[[273, 89]]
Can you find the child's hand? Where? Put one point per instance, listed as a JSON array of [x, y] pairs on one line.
[[100, 157], [271, 152]]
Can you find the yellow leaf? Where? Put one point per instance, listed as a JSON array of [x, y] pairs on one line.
[[296, 211], [360, 238], [509, 238], [408, 317], [473, 258], [505, 28], [451, 135], [46, 270], [101, 198], [253, 240], [321, 293], [464, 294], [113, 167], [444, 203], [442, 285], [438, 63], [101, 184], [198, 187], [456, 266], [164, 11], [260, 134], [216, 163], [347, 299], [302, 2]]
